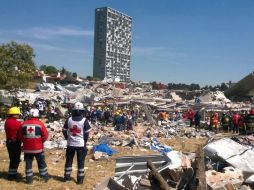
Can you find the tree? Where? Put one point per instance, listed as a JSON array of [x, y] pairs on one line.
[[16, 65], [74, 75], [193, 86], [89, 78], [50, 70], [223, 87], [63, 70]]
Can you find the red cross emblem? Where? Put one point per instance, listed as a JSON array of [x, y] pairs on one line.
[[30, 130], [75, 130]]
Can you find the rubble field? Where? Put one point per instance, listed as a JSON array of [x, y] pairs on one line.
[[161, 150], [96, 170]]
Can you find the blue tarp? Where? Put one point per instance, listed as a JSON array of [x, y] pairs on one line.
[[104, 148], [159, 147]]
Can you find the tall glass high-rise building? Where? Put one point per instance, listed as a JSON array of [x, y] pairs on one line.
[[112, 44]]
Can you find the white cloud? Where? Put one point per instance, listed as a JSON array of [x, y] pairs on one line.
[[46, 33], [47, 46]]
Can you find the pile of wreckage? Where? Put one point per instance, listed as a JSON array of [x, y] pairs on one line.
[[224, 164], [97, 93]]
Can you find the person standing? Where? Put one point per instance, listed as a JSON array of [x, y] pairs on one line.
[[235, 120], [215, 121], [249, 123], [226, 122], [197, 118], [191, 116], [11, 127], [117, 123], [76, 131], [33, 133], [242, 122], [106, 116]]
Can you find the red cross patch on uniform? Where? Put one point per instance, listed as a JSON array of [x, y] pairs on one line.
[[30, 131], [75, 130]]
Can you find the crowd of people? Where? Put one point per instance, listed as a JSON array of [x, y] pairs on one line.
[[45, 107], [236, 122], [29, 134], [241, 122], [26, 132]]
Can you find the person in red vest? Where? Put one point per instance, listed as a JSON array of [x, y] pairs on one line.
[[33, 133], [191, 117], [12, 126], [235, 119]]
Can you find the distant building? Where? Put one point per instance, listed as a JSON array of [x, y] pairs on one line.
[[112, 45]]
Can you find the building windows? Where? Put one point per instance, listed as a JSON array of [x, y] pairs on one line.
[[114, 29]]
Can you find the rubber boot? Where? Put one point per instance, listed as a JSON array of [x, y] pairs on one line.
[[80, 180]]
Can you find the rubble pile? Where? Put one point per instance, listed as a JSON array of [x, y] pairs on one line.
[[56, 138], [178, 129], [229, 175], [226, 163]]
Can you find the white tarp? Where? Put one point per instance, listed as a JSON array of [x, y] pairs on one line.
[[237, 155]]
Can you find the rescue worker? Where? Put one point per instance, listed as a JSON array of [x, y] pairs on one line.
[[163, 116], [33, 133], [129, 122], [235, 121], [76, 131], [191, 116], [242, 122], [12, 126], [197, 118], [118, 122], [226, 122], [249, 122], [215, 121], [99, 114], [106, 116]]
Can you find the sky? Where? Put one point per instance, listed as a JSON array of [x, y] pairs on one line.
[[173, 41]]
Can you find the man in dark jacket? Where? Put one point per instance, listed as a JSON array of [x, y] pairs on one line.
[[197, 118], [76, 131]]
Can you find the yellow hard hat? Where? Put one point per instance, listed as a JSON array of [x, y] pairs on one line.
[[14, 111]]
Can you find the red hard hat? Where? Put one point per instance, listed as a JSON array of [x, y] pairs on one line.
[[252, 111]]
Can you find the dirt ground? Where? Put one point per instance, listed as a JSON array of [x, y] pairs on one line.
[[95, 171]]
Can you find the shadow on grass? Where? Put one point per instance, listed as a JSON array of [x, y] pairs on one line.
[[36, 177], [4, 175]]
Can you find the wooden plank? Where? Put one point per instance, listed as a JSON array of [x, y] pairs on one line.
[[200, 169], [157, 176]]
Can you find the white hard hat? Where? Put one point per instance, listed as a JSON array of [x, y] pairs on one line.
[[34, 112], [78, 106]]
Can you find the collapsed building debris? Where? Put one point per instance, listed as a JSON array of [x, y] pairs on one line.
[[224, 163]]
